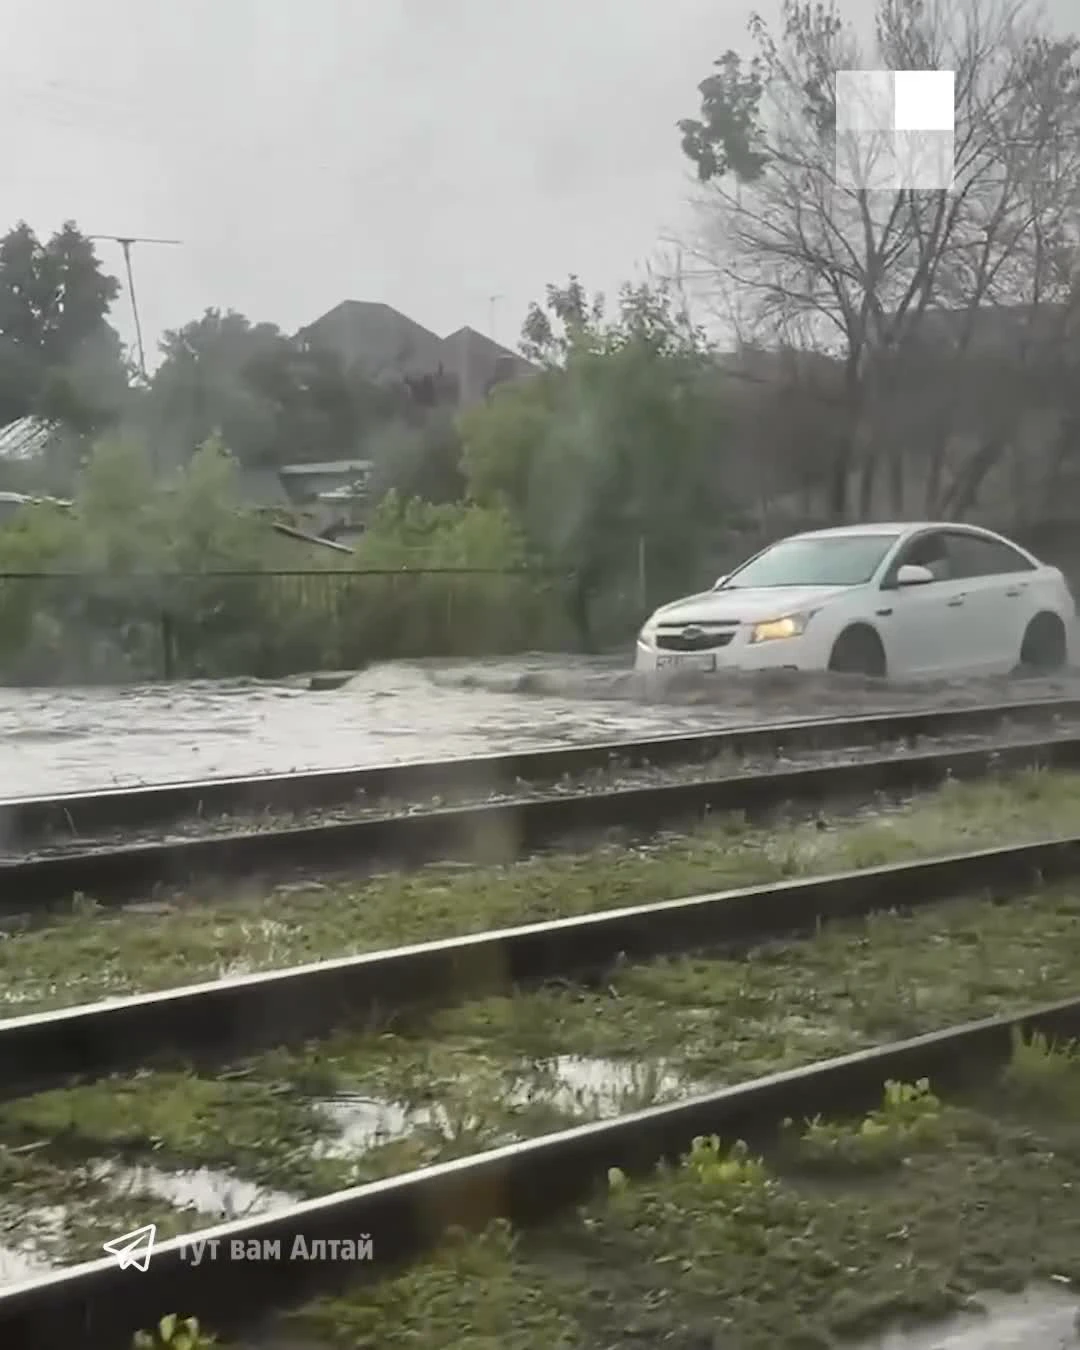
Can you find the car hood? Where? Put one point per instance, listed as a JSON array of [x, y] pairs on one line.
[[750, 605]]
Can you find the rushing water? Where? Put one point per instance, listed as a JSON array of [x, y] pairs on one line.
[[76, 739]]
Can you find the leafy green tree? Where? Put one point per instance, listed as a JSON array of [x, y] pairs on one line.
[[428, 605], [418, 461], [409, 532], [202, 518], [59, 358], [117, 512], [609, 455], [190, 522], [273, 399]]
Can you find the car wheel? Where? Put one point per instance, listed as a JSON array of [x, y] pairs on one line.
[[1044, 645], [858, 651]]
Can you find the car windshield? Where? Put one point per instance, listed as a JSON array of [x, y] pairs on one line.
[[828, 560]]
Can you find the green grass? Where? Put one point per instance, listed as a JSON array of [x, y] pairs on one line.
[[882, 978], [728, 1249], [86, 956], [1045, 1075], [173, 1116]]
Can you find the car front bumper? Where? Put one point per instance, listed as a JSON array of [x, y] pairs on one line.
[[739, 654]]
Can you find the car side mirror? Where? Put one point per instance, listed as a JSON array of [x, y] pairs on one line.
[[720, 581], [911, 574]]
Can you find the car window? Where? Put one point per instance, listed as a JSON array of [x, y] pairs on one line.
[[928, 550], [972, 555], [815, 560]]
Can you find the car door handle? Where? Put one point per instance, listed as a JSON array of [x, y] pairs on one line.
[[883, 613], [1015, 590], [956, 601]]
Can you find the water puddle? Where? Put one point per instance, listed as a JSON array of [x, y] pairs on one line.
[[37, 1241], [18, 1264], [212, 1193], [572, 1085], [1039, 1319], [363, 1123], [29, 1256], [585, 1085]]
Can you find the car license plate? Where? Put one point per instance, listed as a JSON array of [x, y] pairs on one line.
[[687, 661]]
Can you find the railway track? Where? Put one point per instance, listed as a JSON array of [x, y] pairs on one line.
[[101, 1305], [492, 831], [218, 1021], [26, 821]]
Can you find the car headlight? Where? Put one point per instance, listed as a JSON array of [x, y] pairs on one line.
[[791, 625]]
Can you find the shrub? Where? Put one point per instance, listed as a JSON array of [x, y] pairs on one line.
[[136, 581]]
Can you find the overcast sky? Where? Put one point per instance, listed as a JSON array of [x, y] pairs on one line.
[[428, 153]]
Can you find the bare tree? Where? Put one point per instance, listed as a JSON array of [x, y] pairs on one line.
[[897, 282]]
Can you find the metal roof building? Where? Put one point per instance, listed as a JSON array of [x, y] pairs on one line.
[[25, 438]]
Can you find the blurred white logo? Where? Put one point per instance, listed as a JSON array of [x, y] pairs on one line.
[[895, 130], [133, 1250]]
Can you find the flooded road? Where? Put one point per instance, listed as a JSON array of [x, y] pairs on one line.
[[78, 739]]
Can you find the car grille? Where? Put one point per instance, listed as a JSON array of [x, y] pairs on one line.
[[695, 637]]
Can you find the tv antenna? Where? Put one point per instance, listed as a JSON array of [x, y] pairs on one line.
[[126, 241]]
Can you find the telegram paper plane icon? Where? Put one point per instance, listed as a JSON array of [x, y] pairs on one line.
[[134, 1249]]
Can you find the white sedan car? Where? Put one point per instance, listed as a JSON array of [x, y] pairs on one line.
[[897, 600]]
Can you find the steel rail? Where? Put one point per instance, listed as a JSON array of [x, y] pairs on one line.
[[25, 820], [222, 1020], [99, 1304], [491, 831]]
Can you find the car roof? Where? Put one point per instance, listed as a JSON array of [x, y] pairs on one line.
[[895, 528]]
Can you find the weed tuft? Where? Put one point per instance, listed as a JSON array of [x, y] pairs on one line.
[[174, 1334], [722, 1180], [910, 1117], [1043, 1074], [473, 1294], [731, 1169]]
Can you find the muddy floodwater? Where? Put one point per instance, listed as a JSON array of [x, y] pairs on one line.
[[78, 739]]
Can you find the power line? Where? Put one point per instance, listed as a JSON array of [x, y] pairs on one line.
[[125, 242]]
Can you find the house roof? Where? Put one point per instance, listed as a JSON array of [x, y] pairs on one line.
[[261, 487], [22, 499], [25, 438], [468, 342], [378, 338], [329, 468]]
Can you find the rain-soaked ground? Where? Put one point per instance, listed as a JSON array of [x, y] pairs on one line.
[[580, 1086], [78, 739], [1038, 1319]]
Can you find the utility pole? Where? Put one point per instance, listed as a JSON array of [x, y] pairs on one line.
[[125, 242]]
